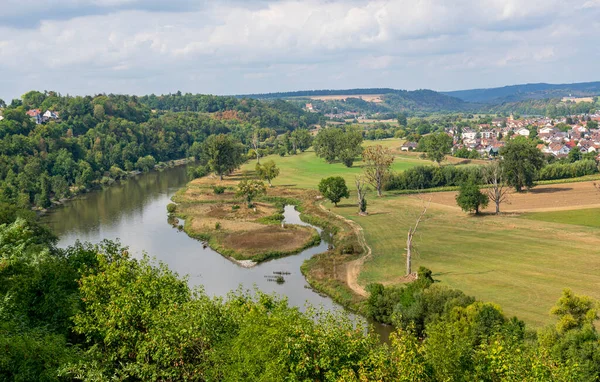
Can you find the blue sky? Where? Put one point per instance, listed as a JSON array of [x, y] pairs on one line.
[[235, 46]]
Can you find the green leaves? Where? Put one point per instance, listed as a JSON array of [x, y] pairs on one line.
[[334, 188]]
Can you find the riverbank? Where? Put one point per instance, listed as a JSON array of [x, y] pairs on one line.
[[251, 236], [109, 180]]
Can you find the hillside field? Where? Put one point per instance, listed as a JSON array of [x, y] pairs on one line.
[[548, 239], [305, 170], [520, 264]]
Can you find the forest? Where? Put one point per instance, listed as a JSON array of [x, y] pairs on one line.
[[100, 139]]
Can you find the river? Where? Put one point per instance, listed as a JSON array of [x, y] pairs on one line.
[[134, 211]]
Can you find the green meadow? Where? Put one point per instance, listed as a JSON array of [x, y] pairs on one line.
[[589, 217], [305, 170]]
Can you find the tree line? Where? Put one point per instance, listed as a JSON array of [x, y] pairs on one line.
[[100, 139]]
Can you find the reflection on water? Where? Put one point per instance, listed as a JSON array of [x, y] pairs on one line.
[[135, 212]]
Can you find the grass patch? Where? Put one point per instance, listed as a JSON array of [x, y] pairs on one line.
[[305, 170], [589, 217], [521, 264]]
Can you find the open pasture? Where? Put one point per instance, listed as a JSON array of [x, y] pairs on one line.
[[520, 264], [555, 197]]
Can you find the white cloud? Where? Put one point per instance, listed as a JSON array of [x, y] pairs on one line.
[[234, 46]]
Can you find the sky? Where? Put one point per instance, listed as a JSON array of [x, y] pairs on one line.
[[256, 46]]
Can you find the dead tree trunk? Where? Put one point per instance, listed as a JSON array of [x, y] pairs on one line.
[[360, 192], [409, 240]]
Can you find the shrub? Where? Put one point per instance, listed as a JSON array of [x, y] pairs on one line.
[[171, 208], [217, 225], [568, 170], [235, 207], [197, 172], [218, 189]]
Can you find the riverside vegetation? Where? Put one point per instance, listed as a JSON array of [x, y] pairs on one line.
[[92, 312]]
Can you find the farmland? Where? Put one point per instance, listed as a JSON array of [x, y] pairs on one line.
[[521, 260], [589, 217], [518, 263], [304, 170]]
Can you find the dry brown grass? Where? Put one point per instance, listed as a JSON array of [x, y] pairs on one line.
[[566, 196], [578, 100], [268, 239], [238, 231]]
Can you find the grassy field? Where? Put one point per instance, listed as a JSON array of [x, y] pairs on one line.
[[305, 170], [589, 217], [518, 263]]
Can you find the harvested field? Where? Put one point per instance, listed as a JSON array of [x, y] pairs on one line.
[[376, 98], [556, 197]]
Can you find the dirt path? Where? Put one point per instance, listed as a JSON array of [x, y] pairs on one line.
[[353, 267]]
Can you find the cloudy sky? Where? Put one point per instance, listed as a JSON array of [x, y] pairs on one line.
[[251, 46]]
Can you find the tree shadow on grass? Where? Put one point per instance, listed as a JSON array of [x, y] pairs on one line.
[[549, 190], [462, 273]]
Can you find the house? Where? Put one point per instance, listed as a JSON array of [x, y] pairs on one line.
[[1, 118], [469, 134], [523, 132], [309, 107], [49, 116], [408, 146], [36, 115], [558, 149], [487, 134]]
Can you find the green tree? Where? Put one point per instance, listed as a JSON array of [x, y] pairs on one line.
[[334, 188], [222, 153], [436, 146], [250, 189], [402, 120], [521, 162], [348, 146], [302, 139], [378, 160], [470, 198], [267, 171], [574, 155], [325, 143]]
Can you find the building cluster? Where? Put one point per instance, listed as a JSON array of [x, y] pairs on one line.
[[487, 139], [38, 117]]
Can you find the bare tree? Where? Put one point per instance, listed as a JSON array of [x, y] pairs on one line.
[[361, 192], [498, 190], [255, 144], [411, 233], [378, 160]]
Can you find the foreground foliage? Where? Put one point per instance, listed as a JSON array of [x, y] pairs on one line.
[[92, 312]]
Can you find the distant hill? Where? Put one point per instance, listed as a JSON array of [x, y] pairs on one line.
[[390, 100], [516, 93]]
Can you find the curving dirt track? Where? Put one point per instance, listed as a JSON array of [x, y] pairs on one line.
[[353, 267]]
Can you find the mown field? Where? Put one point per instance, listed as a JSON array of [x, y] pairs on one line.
[[305, 170], [589, 217], [520, 264]]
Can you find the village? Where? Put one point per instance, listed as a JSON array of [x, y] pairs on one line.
[[557, 137]]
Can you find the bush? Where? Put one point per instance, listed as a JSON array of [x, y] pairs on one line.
[[171, 208], [235, 207], [217, 225], [197, 172], [218, 189], [568, 170]]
